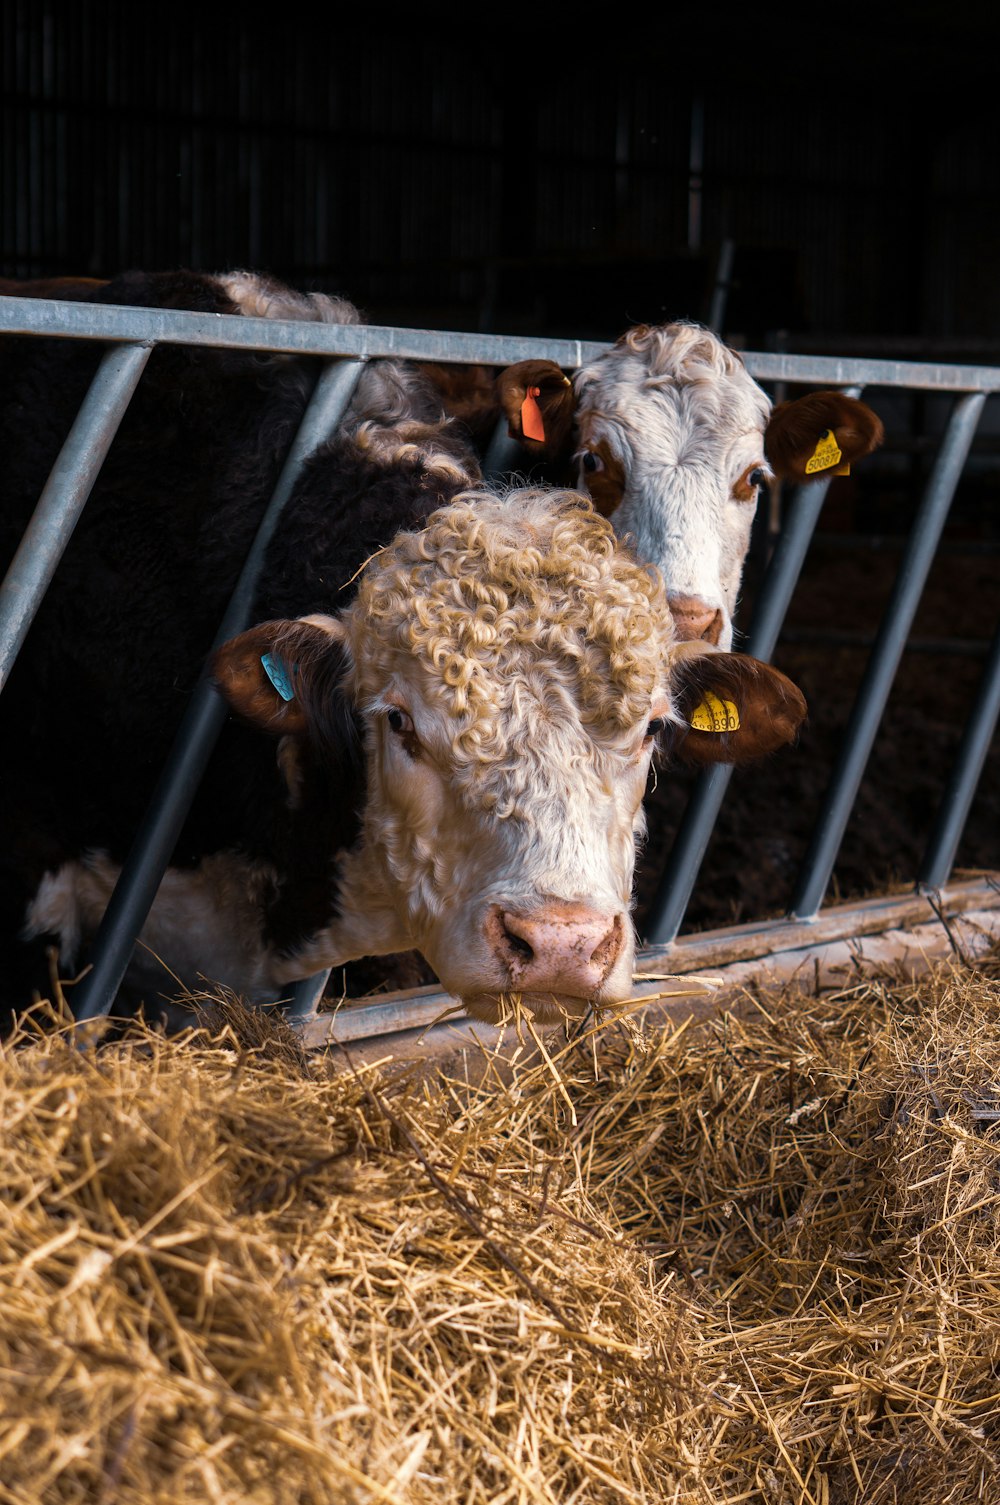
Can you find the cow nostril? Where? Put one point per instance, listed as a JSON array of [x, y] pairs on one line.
[[713, 631], [517, 945], [607, 951]]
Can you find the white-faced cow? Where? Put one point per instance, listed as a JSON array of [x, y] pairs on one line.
[[507, 670], [309, 840], [673, 440]]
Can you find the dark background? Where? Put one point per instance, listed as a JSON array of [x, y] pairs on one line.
[[525, 168], [530, 170]]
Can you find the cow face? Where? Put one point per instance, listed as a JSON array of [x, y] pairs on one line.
[[674, 440], [513, 669]]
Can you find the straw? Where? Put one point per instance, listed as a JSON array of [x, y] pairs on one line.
[[752, 1257]]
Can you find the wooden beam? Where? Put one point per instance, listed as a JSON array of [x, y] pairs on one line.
[[912, 926]]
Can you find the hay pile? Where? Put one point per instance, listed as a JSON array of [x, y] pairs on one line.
[[754, 1259]]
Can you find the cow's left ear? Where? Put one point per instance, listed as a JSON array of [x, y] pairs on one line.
[[273, 675], [819, 434], [731, 708]]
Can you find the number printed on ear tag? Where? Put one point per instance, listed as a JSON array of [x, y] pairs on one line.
[[279, 676], [826, 453], [715, 715]]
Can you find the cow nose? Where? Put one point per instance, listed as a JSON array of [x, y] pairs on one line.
[[694, 620], [559, 946]]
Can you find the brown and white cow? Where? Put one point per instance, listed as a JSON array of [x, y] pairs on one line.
[[510, 669], [673, 439]]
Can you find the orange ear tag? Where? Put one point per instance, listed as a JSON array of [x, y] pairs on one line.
[[825, 455], [532, 426]]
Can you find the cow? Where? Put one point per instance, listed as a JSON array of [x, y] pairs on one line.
[[673, 440], [454, 761], [97, 693]]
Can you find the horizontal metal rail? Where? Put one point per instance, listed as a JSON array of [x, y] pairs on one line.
[[113, 323], [131, 333]]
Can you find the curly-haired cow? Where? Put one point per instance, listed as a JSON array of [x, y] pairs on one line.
[[459, 764], [454, 762]]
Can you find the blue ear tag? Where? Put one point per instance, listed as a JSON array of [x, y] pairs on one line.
[[279, 676]]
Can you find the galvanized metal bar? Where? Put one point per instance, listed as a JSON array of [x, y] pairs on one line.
[[503, 454], [953, 812], [115, 323], [306, 996], [150, 852], [669, 905], [64, 496], [869, 705]]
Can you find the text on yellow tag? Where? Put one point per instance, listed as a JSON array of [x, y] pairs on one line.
[[715, 715], [825, 454]]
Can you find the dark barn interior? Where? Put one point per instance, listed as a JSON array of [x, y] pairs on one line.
[[818, 182]]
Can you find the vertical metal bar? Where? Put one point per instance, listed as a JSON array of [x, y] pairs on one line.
[[666, 912], [306, 996], [502, 454], [871, 699], [64, 496], [953, 812], [150, 853], [723, 282]]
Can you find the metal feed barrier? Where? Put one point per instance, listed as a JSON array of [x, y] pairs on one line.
[[130, 334]]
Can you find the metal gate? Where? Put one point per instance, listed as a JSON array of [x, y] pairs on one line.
[[131, 334]]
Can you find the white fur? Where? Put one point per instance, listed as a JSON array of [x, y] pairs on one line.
[[686, 420]]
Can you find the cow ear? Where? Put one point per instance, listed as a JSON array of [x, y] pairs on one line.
[[819, 433], [731, 708], [538, 402], [271, 675]]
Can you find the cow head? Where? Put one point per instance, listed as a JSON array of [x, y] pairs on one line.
[[673, 440], [513, 669]]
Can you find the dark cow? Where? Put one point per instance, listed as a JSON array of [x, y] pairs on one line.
[[460, 762]]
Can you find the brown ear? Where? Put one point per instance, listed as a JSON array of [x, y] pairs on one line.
[[467, 393], [734, 708], [543, 383], [268, 673], [795, 441]]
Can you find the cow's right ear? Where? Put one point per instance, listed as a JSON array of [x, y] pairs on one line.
[[538, 402], [274, 675]]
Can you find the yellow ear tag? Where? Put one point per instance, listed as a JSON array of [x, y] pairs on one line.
[[715, 715], [824, 455]]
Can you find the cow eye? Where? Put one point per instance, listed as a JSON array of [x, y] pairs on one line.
[[656, 726], [400, 722], [756, 478], [592, 462]]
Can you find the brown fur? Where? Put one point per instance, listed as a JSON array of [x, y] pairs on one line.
[[795, 427], [239, 674], [555, 399], [743, 491], [771, 709], [606, 486], [468, 394], [74, 289]]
